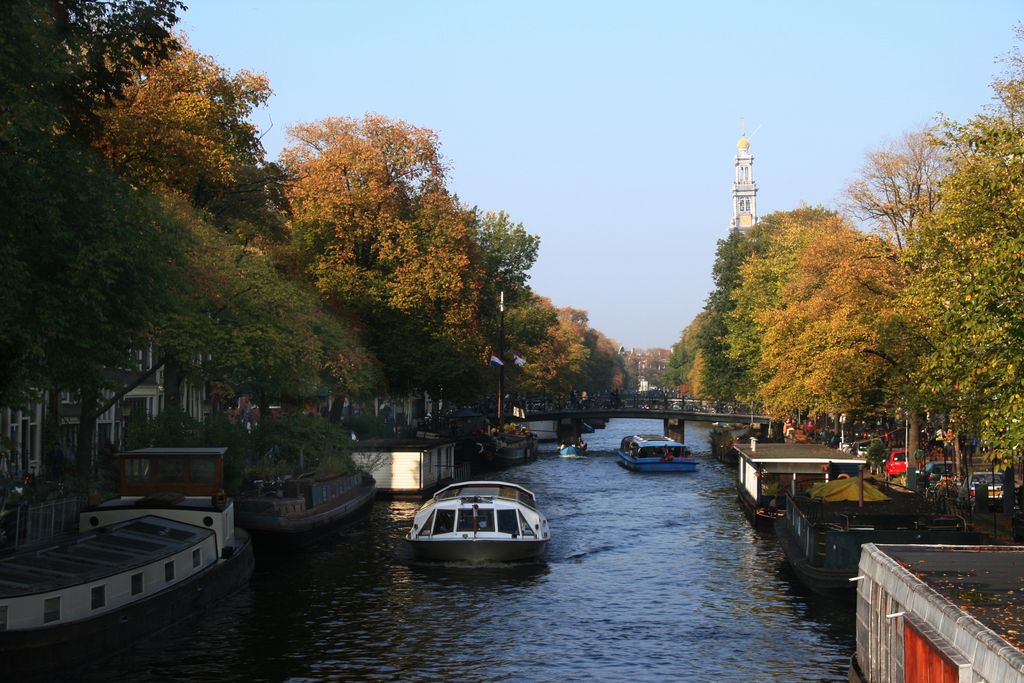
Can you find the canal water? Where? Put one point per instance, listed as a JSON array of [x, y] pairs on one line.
[[648, 577]]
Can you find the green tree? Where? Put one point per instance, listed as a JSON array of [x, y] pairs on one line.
[[86, 257], [970, 283]]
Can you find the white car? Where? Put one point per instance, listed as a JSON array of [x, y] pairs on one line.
[[994, 481]]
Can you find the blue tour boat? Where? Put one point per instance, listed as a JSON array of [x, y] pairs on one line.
[[655, 453]]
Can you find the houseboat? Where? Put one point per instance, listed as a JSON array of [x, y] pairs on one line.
[[407, 467], [164, 551], [480, 521], [545, 430], [655, 453], [302, 510], [823, 529], [510, 449], [766, 471]]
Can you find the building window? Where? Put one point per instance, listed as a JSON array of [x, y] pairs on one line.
[[136, 583], [197, 557], [51, 610], [3, 617], [169, 571], [99, 596]]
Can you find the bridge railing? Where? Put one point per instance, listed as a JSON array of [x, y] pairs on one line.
[[634, 402]]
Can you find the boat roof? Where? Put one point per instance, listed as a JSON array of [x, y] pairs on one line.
[[654, 440], [795, 452], [81, 558], [487, 484]]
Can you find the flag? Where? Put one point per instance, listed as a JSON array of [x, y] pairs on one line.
[[518, 360], [496, 361]]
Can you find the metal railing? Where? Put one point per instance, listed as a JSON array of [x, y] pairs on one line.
[[640, 402], [23, 525]]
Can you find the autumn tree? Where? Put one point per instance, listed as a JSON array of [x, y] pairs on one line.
[[727, 362], [604, 368], [183, 125], [183, 129], [552, 341], [898, 188], [813, 325], [385, 242], [685, 362]]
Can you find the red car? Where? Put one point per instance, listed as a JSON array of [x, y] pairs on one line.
[[897, 462]]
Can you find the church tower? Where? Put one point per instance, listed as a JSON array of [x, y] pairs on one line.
[[744, 190]]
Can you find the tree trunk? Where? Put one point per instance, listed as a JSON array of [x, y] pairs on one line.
[[337, 407], [88, 402], [913, 434], [172, 384]]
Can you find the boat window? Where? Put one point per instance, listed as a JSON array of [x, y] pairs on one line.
[[169, 571], [484, 519], [201, 470], [197, 557], [445, 523], [3, 617], [99, 596], [425, 531], [508, 522], [136, 469], [51, 610], [136, 583], [171, 469], [527, 529]]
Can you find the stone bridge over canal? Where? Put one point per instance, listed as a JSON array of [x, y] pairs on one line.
[[567, 418]]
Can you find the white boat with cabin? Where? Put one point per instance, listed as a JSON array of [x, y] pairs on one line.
[[480, 521]]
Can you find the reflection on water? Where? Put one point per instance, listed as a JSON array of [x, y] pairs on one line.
[[647, 577]]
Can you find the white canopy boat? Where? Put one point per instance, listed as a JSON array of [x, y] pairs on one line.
[[480, 521]]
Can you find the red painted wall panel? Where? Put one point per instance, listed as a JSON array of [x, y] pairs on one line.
[[922, 662]]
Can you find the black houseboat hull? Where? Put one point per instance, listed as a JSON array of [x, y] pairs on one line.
[[58, 651], [288, 532]]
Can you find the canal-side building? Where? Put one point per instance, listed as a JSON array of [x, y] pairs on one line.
[[939, 613], [744, 190]]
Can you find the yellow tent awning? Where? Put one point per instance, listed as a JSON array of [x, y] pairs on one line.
[[846, 489]]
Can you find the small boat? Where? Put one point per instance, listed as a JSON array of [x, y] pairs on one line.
[[479, 521], [655, 453], [570, 451], [303, 510], [163, 552]]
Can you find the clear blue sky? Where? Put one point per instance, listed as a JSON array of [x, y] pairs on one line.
[[609, 129]]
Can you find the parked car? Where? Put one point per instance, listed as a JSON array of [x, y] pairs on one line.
[[897, 462], [934, 472], [994, 481]]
